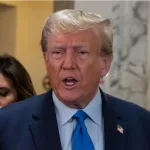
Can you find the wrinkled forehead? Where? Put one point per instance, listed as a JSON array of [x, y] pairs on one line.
[[71, 44], [79, 34], [80, 38], [70, 31]]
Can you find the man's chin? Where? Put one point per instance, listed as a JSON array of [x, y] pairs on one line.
[[69, 98]]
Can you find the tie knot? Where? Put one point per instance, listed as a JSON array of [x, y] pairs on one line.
[[80, 116]]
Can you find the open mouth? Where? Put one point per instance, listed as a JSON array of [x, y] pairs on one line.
[[70, 81]]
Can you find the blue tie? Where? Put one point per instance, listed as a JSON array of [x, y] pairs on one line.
[[80, 138]]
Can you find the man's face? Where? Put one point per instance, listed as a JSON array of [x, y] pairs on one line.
[[74, 66]]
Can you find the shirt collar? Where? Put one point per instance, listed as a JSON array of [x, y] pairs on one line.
[[93, 110], [63, 112]]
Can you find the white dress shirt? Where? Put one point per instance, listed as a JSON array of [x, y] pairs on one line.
[[66, 124]]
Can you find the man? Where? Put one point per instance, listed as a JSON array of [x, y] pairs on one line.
[[75, 114]]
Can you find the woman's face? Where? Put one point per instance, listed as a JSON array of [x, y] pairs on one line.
[[8, 93]]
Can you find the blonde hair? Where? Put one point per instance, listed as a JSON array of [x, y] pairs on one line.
[[69, 21]]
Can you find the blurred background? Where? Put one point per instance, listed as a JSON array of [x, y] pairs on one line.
[[21, 24]]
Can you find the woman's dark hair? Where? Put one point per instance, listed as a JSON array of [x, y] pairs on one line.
[[12, 69]]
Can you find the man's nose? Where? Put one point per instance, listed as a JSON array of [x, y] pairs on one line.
[[69, 61]]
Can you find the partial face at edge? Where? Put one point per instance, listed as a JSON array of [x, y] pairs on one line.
[[74, 66], [7, 92]]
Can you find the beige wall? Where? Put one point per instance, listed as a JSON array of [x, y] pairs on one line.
[[30, 19], [7, 29]]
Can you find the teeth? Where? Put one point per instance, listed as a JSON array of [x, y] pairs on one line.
[[69, 83]]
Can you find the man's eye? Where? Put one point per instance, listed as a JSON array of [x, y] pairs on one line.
[[82, 52], [57, 52]]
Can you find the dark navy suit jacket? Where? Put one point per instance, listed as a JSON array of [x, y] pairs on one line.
[[32, 125]]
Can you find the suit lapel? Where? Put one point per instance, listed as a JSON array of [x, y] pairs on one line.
[[44, 128], [45, 133], [114, 127]]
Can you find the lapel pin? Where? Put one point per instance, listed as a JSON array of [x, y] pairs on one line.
[[120, 129]]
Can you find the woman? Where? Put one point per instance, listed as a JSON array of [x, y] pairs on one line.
[[15, 82]]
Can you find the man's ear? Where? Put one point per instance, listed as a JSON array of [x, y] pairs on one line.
[[105, 65], [45, 60], [45, 57]]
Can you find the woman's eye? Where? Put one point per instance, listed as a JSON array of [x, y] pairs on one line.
[[4, 93]]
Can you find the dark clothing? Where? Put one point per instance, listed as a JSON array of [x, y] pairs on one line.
[[32, 125]]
